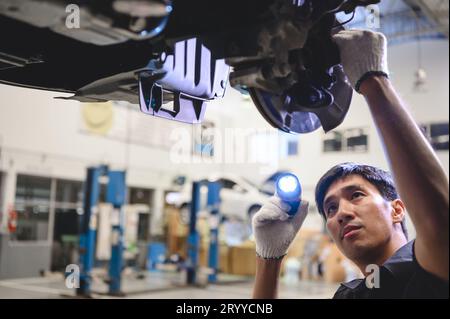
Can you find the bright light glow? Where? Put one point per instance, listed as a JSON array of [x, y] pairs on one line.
[[173, 198], [288, 184]]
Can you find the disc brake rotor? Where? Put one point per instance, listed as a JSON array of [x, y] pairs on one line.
[[282, 112]]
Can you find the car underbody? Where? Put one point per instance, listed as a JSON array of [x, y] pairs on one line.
[[173, 56]]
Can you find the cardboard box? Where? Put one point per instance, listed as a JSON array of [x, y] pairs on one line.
[[298, 244], [224, 259], [176, 232], [243, 259], [177, 235], [239, 260], [301, 249], [203, 255], [334, 272]]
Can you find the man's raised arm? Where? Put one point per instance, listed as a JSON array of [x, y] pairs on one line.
[[420, 179]]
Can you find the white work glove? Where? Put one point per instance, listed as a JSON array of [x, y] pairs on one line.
[[274, 229], [363, 54]]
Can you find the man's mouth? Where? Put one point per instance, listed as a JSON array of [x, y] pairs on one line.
[[349, 231]]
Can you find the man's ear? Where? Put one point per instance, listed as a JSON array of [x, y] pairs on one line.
[[398, 211]]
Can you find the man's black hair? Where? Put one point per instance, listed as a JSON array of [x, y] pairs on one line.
[[381, 179]]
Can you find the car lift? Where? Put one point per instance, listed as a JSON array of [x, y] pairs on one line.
[[115, 194], [192, 262]]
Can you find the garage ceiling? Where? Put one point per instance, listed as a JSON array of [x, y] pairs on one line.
[[436, 11], [406, 20]]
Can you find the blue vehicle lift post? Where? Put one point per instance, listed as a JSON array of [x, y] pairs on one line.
[[194, 238], [89, 228], [213, 206], [116, 196]]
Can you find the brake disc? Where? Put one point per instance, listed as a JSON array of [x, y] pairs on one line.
[[288, 114]]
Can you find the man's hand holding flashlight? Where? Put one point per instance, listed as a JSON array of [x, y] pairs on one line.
[[275, 229]]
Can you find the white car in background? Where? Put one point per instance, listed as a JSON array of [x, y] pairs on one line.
[[239, 198]]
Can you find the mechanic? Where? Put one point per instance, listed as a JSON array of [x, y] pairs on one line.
[[364, 214]]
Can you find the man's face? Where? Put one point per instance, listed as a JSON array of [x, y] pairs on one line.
[[358, 218]]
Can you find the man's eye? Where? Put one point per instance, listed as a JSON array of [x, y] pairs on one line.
[[331, 210], [357, 195]]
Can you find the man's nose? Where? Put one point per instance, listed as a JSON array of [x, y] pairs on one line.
[[345, 212]]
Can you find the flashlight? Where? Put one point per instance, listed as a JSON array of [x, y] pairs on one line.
[[289, 190]]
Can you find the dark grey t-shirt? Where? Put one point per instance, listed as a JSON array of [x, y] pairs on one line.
[[401, 276]]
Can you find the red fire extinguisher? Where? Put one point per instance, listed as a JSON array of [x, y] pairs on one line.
[[12, 220]]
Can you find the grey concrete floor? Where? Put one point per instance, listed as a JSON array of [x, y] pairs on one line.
[[160, 286]]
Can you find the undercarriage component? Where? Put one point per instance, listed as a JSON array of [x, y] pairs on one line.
[[290, 114], [295, 80], [174, 86], [189, 77], [102, 22], [172, 56]]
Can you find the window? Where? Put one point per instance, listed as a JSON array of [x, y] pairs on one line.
[[140, 196], [69, 191], [288, 145], [68, 209], [292, 148], [333, 143], [351, 140], [438, 135], [32, 204], [32, 189], [227, 184], [357, 140], [143, 233], [69, 199]]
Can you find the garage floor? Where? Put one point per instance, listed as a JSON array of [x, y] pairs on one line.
[[160, 286]]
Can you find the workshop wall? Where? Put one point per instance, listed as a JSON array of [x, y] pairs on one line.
[[43, 136]]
